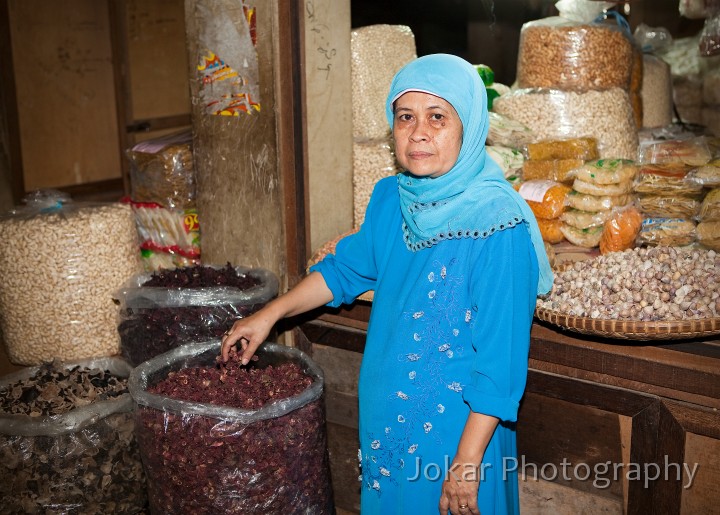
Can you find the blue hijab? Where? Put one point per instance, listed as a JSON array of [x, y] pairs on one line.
[[470, 200]]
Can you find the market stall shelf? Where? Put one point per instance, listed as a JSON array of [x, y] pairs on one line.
[[632, 329]]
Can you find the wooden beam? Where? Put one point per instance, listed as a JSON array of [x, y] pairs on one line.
[[8, 98]]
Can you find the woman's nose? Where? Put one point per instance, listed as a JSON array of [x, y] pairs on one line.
[[419, 133]]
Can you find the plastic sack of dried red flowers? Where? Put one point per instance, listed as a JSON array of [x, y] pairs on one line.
[[226, 438], [67, 441], [167, 308]]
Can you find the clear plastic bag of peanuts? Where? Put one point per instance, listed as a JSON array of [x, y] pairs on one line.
[[575, 51], [61, 261], [605, 115], [545, 198]]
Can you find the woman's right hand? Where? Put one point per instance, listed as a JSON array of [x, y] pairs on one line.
[[249, 333]]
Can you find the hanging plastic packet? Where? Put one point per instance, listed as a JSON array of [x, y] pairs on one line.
[[710, 36]]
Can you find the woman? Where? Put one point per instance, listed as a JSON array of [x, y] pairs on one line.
[[455, 259]]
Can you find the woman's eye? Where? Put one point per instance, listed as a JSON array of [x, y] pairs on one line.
[[405, 117], [437, 117]]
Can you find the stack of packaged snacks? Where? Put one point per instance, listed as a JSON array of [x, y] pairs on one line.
[[708, 227], [547, 201], [578, 76], [667, 194], [162, 196], [600, 189], [557, 159]]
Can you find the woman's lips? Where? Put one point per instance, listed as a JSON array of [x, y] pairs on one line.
[[419, 155]]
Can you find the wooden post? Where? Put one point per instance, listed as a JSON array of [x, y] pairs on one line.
[[245, 84]]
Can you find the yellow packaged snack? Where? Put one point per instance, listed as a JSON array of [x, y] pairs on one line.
[[691, 152], [710, 207], [574, 148], [560, 170], [550, 230], [668, 206], [666, 180], [708, 175], [708, 234], [671, 232], [545, 198]]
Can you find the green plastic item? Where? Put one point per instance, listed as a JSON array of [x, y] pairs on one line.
[[486, 73], [491, 95]]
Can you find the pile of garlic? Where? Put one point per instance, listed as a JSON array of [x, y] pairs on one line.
[[646, 284]]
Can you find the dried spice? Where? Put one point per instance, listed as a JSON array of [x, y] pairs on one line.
[[67, 442], [191, 304], [201, 276], [202, 455], [54, 390]]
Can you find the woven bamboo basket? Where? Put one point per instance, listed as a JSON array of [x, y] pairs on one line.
[[632, 329]]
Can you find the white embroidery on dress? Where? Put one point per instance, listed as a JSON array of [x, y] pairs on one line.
[[434, 327]]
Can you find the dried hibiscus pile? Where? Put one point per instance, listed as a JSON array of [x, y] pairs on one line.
[[200, 277], [67, 442], [190, 304], [230, 384], [271, 461]]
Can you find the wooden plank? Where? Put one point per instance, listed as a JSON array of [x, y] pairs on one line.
[[342, 408], [343, 445], [642, 450], [610, 380], [157, 59], [341, 367], [702, 494], [65, 92], [329, 118], [335, 335], [667, 489], [10, 119], [292, 141], [538, 497], [617, 400], [680, 371], [569, 454], [239, 188], [701, 420]]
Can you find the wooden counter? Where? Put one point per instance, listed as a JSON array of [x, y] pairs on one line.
[[600, 419]]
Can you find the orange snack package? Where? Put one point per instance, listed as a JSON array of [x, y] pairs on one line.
[[621, 230], [550, 230], [545, 198]]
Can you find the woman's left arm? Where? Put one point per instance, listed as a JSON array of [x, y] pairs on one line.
[[460, 488]]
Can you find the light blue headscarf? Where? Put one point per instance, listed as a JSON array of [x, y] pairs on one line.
[[470, 200]]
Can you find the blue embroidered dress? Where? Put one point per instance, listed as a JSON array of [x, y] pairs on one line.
[[448, 332]]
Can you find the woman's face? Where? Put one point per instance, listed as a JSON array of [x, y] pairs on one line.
[[428, 134]]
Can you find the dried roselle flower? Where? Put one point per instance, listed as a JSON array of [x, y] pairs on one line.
[[272, 465]]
